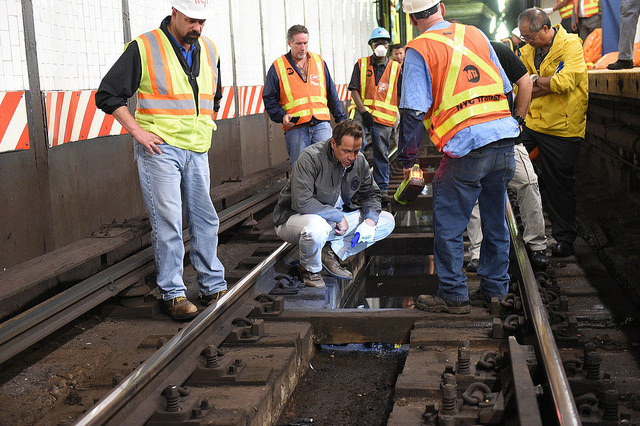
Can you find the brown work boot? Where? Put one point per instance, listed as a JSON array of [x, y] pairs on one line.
[[210, 299], [331, 264], [180, 309], [437, 304], [311, 279]]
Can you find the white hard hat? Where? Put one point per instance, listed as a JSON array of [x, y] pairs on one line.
[[194, 9], [415, 6], [516, 32]]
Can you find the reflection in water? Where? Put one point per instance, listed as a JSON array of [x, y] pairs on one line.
[[394, 282], [397, 281], [422, 218]]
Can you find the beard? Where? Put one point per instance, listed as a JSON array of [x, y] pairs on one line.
[[191, 37]]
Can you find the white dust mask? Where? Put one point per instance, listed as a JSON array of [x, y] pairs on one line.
[[380, 51]]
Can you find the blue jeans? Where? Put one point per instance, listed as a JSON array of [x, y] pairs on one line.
[[380, 136], [481, 175], [169, 181], [301, 137]]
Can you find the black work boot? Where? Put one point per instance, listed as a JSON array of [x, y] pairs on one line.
[[472, 266], [539, 260], [621, 64], [562, 249]]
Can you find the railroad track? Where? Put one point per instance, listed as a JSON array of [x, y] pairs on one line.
[[522, 361], [148, 388], [29, 327]]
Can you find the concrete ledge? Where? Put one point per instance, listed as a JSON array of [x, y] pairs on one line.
[[625, 83]]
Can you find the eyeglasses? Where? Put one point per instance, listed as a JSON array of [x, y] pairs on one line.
[[377, 43], [527, 38]]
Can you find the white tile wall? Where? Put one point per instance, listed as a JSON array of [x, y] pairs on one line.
[[76, 35], [294, 14], [275, 31], [248, 44], [146, 15], [312, 22], [79, 40], [218, 29], [340, 67], [13, 61]]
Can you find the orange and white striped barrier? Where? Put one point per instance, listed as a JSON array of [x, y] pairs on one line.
[[251, 100], [73, 116], [14, 132], [343, 93], [227, 105]]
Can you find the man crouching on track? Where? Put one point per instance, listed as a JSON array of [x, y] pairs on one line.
[[316, 208], [455, 87], [176, 75]]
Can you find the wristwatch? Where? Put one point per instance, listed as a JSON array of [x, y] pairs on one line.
[[519, 119], [534, 79]]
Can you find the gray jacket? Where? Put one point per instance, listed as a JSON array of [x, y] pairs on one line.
[[315, 184]]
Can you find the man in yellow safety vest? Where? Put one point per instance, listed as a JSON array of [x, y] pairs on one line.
[[175, 72]]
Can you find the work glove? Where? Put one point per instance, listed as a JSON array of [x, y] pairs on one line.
[[548, 10], [367, 119], [366, 232]]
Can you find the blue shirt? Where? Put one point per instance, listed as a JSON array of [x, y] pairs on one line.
[[188, 55], [417, 98], [271, 95]]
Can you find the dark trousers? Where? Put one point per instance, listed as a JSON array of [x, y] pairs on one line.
[[566, 24], [558, 157]]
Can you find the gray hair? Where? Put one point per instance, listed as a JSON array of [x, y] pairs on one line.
[[536, 18], [296, 29]]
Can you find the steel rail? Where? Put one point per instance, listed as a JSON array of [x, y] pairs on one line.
[[31, 326], [565, 405], [107, 408], [105, 411]]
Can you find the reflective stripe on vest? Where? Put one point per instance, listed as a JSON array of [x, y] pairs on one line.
[[384, 111], [211, 52], [472, 103], [166, 105], [303, 99], [590, 8], [566, 11], [164, 98]]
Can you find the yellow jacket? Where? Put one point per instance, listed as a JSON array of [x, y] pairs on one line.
[[563, 112]]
